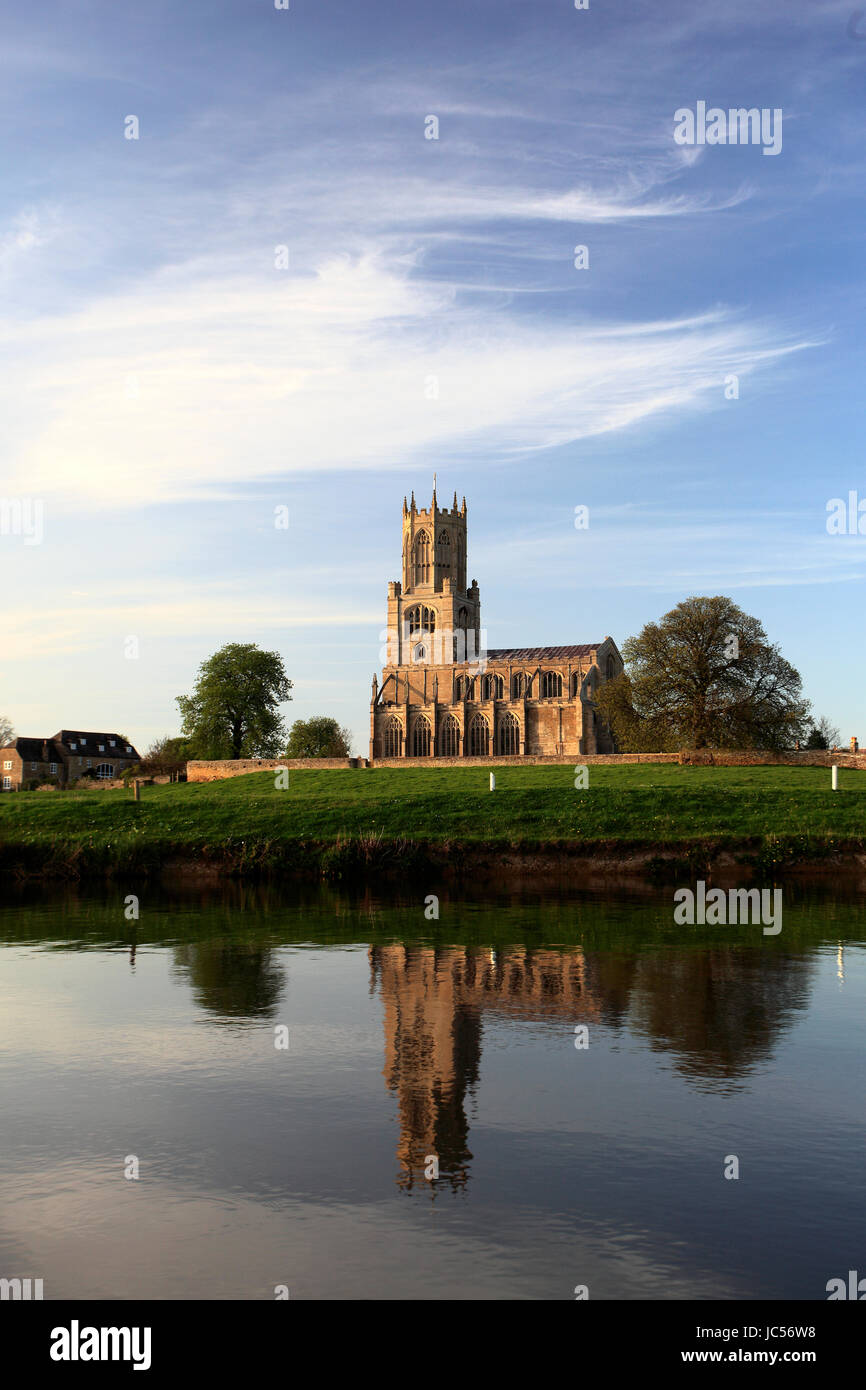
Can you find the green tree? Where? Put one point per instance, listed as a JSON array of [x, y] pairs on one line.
[[704, 676], [233, 710], [823, 734], [319, 737]]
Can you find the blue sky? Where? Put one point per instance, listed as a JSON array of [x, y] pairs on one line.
[[165, 385]]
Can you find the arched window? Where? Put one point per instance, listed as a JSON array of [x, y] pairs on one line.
[[518, 686], [575, 684], [551, 684], [420, 619], [421, 558], [611, 666], [420, 653], [393, 737], [444, 550], [509, 735], [449, 737], [491, 687], [479, 737], [421, 738], [105, 770]]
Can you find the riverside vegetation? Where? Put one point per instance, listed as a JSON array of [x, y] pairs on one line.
[[331, 822]]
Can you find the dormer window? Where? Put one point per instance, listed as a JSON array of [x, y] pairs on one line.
[[73, 746], [128, 749], [102, 747], [83, 742], [111, 742]]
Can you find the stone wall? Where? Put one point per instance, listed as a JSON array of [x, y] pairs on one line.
[[754, 757], [215, 771]]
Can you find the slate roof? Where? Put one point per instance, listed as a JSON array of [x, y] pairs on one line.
[[31, 750], [66, 737], [542, 653]]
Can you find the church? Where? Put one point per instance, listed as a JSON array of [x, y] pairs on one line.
[[445, 695]]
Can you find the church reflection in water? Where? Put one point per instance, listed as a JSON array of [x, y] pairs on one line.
[[719, 1011]]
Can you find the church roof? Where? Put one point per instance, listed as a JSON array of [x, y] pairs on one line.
[[542, 653]]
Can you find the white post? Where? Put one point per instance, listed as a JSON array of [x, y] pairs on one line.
[[834, 777], [493, 782]]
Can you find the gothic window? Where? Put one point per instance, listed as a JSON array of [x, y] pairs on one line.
[[420, 653], [421, 619], [421, 558], [509, 735], [575, 684], [449, 738], [551, 684], [393, 738], [445, 550], [610, 667], [518, 686], [491, 688], [460, 688], [479, 737], [421, 738]]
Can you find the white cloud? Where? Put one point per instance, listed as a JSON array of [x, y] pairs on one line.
[[195, 381]]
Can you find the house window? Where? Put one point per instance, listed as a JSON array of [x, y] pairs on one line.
[[52, 767], [449, 737], [7, 765], [89, 763], [74, 747], [551, 685], [7, 784], [102, 747], [112, 742], [509, 735], [33, 767], [393, 738], [104, 770], [421, 738], [128, 749]]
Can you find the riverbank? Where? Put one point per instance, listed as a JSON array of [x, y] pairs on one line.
[[643, 820]]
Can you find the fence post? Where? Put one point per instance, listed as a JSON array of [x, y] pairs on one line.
[[834, 778], [492, 782]]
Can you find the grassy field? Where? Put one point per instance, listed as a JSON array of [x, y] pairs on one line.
[[247, 821]]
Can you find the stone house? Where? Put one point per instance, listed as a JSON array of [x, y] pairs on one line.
[[444, 694], [64, 758]]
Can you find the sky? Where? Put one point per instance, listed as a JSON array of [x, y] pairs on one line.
[[238, 275]]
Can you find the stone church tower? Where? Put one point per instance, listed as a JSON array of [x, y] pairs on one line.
[[444, 694]]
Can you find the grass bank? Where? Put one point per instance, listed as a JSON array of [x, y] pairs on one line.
[[334, 822]]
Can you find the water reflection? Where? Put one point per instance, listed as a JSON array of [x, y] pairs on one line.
[[233, 979], [719, 1012]]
